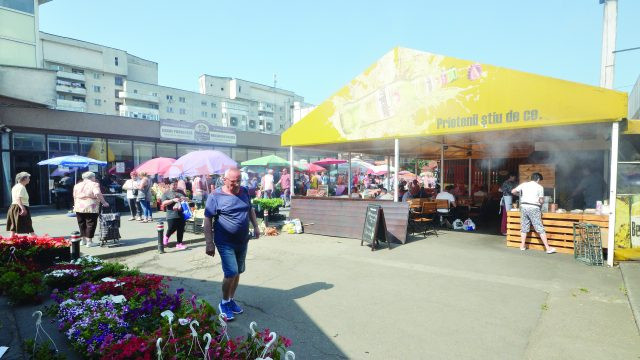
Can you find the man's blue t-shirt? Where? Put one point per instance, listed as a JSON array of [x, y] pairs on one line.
[[232, 225]]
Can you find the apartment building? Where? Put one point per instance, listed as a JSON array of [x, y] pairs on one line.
[[99, 79], [19, 32]]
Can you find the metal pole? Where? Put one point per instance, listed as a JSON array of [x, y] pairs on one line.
[[610, 15], [441, 167], [291, 175], [349, 175], [606, 81], [160, 228], [75, 245], [613, 183], [470, 194], [388, 176], [395, 173]]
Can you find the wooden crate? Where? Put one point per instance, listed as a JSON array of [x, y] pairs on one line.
[[548, 172], [559, 228]]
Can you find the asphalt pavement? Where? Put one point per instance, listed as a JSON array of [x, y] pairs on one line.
[[458, 295]]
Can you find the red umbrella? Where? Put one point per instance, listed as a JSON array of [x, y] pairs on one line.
[[329, 161], [155, 166]]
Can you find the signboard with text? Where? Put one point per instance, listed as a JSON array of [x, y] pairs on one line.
[[198, 132]]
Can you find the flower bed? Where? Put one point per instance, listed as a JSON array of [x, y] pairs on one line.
[[41, 250], [108, 311]]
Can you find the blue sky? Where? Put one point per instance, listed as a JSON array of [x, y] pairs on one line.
[[317, 47]]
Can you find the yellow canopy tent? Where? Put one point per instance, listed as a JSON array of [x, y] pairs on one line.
[[418, 104], [414, 94]]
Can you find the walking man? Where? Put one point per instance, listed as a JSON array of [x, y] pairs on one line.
[[228, 212]]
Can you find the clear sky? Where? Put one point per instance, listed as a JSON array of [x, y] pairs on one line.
[[317, 47]]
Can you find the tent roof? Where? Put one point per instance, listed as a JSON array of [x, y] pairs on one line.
[[424, 98]]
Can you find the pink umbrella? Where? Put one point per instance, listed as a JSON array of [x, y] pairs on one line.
[[315, 168], [155, 166], [203, 162], [329, 161]]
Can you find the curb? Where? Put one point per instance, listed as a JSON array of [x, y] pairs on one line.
[[631, 278], [139, 250]]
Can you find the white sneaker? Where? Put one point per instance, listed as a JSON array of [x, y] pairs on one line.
[[90, 244], [84, 241], [551, 250]]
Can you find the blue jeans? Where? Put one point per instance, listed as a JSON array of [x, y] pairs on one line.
[[146, 208], [232, 258]]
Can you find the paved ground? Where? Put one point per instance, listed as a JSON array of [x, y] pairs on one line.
[[461, 295]]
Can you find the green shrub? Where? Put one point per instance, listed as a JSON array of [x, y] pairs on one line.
[[20, 284], [269, 204], [43, 351]]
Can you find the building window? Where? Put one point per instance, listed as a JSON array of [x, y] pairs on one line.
[[115, 60], [118, 80], [96, 88], [77, 71], [221, 89], [213, 105], [239, 88], [204, 114], [169, 109], [96, 76], [154, 106], [170, 97], [77, 98], [24, 6], [118, 106], [97, 102], [181, 99], [60, 96], [183, 111], [214, 115], [203, 103], [154, 94]]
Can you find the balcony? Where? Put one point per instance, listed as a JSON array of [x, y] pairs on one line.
[[67, 89], [265, 107], [140, 97], [70, 105], [139, 112], [70, 76]]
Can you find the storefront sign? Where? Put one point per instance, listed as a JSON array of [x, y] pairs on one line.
[[120, 167], [635, 221], [198, 132], [94, 168]]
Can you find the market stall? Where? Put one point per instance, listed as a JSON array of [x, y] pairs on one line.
[[420, 105]]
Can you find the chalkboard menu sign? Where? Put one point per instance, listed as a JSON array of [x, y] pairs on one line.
[[375, 228]]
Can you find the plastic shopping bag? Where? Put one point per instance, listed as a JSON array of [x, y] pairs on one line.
[[458, 224], [469, 225], [186, 210]]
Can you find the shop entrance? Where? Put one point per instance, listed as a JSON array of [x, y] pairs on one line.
[[39, 184]]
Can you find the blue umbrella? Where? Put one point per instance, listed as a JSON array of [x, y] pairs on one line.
[[73, 161]]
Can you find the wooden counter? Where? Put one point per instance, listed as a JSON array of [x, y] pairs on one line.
[[344, 217], [559, 228]]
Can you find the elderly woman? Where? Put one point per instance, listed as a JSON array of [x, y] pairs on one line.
[[87, 198], [19, 217]]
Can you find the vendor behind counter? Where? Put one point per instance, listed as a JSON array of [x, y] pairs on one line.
[[589, 191]]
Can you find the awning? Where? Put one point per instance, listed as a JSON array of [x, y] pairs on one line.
[[418, 95]]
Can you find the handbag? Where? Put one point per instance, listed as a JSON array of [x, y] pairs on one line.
[[186, 210], [134, 192]]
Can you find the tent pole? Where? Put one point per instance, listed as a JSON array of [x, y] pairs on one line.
[[470, 194], [442, 167], [613, 184], [349, 175], [291, 174], [395, 173], [388, 175]]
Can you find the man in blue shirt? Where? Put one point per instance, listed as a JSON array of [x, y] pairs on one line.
[[230, 207]]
